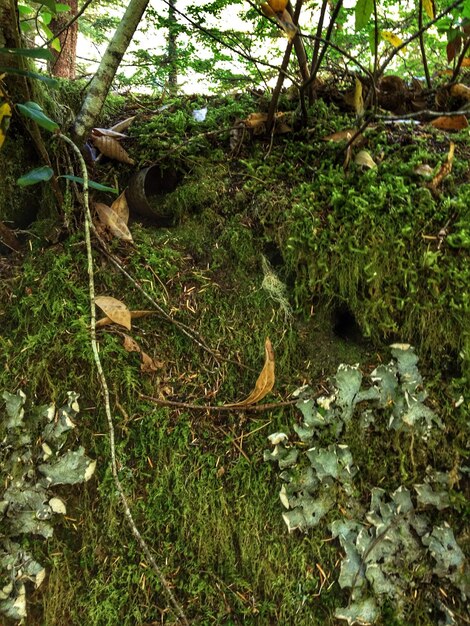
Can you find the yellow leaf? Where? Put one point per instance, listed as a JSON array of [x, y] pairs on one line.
[[460, 91], [265, 381], [266, 9], [5, 114], [116, 310], [363, 158], [392, 38], [428, 6], [358, 99], [277, 5]]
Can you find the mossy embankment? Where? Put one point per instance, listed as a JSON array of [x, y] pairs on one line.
[[363, 262]]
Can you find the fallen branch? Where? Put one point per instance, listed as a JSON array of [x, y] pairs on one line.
[[104, 386], [221, 408]]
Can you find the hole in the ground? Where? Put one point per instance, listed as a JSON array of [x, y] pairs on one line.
[[345, 325]]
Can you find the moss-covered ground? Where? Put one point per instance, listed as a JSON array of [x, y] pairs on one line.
[[365, 262]]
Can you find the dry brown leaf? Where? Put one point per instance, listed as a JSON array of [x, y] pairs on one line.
[[445, 168], [364, 158], [124, 125], [424, 170], [265, 381], [460, 91], [106, 321], [121, 208], [112, 149], [466, 62], [131, 345], [340, 135], [148, 364], [113, 222], [254, 120], [136, 314], [107, 132], [456, 122], [116, 310]]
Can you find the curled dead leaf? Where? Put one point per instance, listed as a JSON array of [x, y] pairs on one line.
[[107, 132], [113, 222], [111, 148], [130, 345], [148, 364], [116, 310], [445, 168], [123, 125], [265, 381], [106, 321], [121, 208]]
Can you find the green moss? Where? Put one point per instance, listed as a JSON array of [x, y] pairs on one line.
[[356, 241]]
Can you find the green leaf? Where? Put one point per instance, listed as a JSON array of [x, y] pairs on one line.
[[50, 4], [91, 183], [363, 11], [32, 53], [62, 8], [24, 10], [51, 82], [35, 176], [34, 112], [55, 44]]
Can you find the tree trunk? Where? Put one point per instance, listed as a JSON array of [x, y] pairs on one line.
[[17, 86], [24, 146], [171, 47], [64, 63], [101, 83]]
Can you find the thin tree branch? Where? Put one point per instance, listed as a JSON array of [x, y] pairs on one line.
[[104, 386], [219, 409], [462, 56], [245, 56], [418, 33]]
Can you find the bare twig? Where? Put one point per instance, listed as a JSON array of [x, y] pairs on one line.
[[415, 35], [219, 409], [104, 386], [421, 114], [462, 56], [421, 46]]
